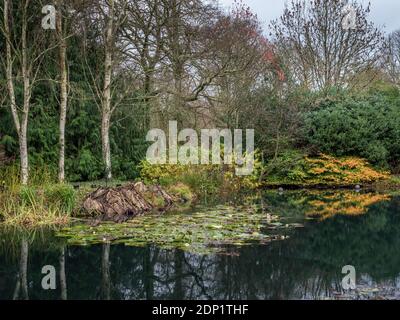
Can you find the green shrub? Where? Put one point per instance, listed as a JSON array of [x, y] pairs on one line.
[[202, 179], [287, 165], [181, 191], [10, 143], [88, 166], [294, 169], [366, 127]]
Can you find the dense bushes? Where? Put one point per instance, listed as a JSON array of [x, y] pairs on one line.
[[293, 168], [367, 127], [202, 179]]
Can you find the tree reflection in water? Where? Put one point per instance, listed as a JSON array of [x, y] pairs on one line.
[[306, 266], [21, 288]]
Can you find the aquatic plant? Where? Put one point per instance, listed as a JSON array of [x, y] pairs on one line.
[[204, 231]]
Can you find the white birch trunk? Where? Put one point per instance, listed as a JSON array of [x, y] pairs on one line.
[[21, 127], [23, 135], [9, 68], [106, 103], [63, 93]]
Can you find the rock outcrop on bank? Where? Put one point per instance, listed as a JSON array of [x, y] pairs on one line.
[[125, 202]]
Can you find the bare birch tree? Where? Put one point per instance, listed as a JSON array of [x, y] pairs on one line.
[[25, 48], [109, 90], [63, 88], [106, 99]]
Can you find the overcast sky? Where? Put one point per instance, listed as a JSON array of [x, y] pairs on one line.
[[385, 13]]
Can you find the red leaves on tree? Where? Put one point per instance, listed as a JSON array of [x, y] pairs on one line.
[[250, 27]]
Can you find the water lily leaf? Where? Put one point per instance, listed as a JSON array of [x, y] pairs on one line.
[[202, 232]]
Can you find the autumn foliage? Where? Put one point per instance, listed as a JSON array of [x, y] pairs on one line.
[[328, 170]]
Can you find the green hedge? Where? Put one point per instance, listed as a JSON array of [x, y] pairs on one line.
[[368, 127]]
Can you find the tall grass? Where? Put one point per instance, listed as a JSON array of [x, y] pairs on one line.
[[29, 207], [38, 175], [15, 214], [42, 203], [10, 177]]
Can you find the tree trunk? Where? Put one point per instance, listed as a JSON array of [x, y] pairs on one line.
[[21, 127], [9, 68], [23, 136], [106, 103], [23, 150], [63, 93], [178, 65], [105, 136]]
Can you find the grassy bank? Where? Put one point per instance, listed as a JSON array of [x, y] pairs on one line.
[[37, 206], [58, 204]]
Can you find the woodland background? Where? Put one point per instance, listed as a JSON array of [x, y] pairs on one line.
[[78, 101]]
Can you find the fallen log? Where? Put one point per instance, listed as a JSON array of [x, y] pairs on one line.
[[122, 203]]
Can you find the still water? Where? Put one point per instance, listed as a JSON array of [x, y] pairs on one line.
[[338, 229]]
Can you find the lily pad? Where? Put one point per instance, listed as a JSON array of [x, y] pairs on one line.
[[204, 231]]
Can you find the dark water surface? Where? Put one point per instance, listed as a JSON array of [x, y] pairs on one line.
[[362, 230]]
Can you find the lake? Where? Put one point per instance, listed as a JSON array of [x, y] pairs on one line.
[[299, 254]]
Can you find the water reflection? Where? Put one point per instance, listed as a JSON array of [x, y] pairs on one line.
[[21, 288], [63, 278], [306, 266], [105, 272]]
